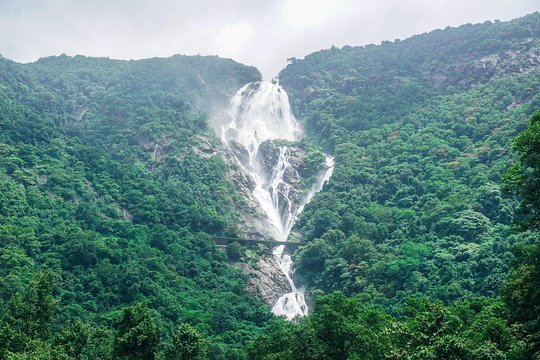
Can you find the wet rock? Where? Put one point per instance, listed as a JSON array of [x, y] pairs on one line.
[[291, 175], [265, 279], [253, 223], [268, 156], [239, 151]]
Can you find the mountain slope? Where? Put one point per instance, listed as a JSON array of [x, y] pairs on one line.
[[420, 130], [105, 182], [111, 189]]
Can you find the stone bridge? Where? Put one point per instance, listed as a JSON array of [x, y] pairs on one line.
[[224, 241]]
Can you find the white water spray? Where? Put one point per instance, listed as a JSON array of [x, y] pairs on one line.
[[260, 112]]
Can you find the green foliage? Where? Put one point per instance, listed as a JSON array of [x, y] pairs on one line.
[[522, 291], [187, 344], [342, 328], [420, 131], [26, 324], [368, 86], [83, 341], [137, 335], [110, 193], [524, 176], [234, 251], [27, 319], [103, 182]]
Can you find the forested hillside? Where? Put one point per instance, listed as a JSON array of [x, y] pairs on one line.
[[415, 226], [421, 326], [424, 244], [420, 130], [106, 201]]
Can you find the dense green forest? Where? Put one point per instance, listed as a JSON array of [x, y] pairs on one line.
[[421, 132], [415, 206], [104, 204], [423, 327], [423, 245]]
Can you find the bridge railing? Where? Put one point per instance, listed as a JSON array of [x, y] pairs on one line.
[[227, 240]]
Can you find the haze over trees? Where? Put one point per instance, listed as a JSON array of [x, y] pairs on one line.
[[424, 244]]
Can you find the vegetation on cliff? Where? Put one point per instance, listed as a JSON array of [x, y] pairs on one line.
[[108, 202], [415, 205], [100, 188]]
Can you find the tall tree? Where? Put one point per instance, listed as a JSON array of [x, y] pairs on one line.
[[138, 335], [524, 176], [25, 330], [522, 292], [188, 344]]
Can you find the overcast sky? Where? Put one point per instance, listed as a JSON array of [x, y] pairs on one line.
[[263, 33]]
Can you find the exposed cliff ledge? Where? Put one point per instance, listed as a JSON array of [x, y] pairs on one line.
[[265, 279]]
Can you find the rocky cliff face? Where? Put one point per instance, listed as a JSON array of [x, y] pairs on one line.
[[265, 279], [253, 219]]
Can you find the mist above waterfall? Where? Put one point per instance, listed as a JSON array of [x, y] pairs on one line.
[[259, 119], [260, 112]]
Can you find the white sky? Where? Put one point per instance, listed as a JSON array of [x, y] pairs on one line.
[[263, 33]]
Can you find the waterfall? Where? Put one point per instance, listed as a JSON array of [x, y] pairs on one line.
[[260, 112]]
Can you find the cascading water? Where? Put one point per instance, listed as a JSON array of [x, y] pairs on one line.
[[294, 303], [260, 112]]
